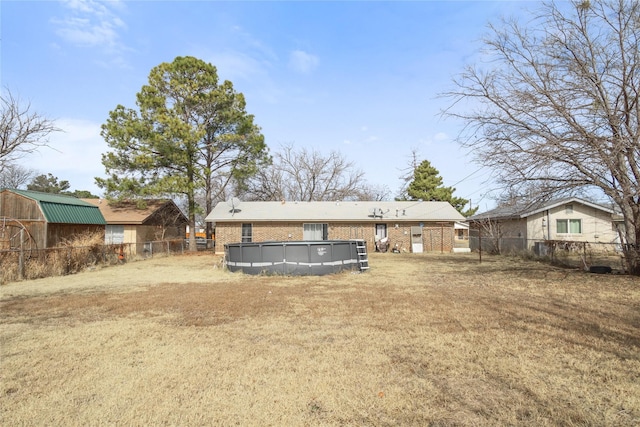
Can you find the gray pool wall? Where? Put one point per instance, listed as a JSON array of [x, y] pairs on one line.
[[315, 258]]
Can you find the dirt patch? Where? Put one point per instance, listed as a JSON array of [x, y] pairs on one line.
[[191, 304]]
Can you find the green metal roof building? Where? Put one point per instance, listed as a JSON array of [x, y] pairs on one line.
[[42, 220]]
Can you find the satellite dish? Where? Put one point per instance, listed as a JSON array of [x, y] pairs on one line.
[[234, 203]]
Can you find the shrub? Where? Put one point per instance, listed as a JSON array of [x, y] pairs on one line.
[[81, 251]]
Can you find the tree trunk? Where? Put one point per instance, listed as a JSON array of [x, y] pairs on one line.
[[192, 222]]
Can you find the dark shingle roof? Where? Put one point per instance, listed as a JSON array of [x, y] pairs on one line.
[[523, 210]]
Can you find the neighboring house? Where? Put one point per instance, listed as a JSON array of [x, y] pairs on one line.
[[34, 220], [141, 221], [568, 219], [404, 226], [461, 240]]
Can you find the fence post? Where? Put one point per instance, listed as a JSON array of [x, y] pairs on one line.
[[21, 256], [480, 244]]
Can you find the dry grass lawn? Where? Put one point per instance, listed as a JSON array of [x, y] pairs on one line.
[[425, 340]]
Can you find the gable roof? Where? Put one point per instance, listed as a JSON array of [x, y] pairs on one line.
[[131, 213], [63, 209], [335, 211], [519, 211]]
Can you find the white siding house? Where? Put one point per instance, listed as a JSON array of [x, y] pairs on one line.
[[569, 219]]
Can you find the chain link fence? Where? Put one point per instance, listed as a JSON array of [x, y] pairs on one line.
[[514, 245], [560, 252], [18, 264]]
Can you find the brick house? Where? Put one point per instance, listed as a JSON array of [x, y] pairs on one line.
[[413, 226]]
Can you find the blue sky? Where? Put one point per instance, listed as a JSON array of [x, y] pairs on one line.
[[361, 78]]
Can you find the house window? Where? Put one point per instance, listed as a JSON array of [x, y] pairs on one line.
[[460, 234], [569, 226], [247, 233], [568, 209], [315, 231], [114, 234]]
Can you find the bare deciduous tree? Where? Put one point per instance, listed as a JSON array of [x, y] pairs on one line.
[[169, 220], [15, 176], [558, 110], [374, 193], [491, 233], [407, 173], [21, 131], [308, 175]]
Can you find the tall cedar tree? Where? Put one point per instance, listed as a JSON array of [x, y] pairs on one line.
[[188, 131], [427, 185]]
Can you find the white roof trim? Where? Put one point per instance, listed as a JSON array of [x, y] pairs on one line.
[[566, 202]]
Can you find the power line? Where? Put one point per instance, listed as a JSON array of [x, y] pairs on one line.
[[468, 176]]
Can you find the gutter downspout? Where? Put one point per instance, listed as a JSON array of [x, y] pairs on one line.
[[548, 225]]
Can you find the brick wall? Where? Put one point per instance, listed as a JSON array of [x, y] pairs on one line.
[[435, 238]]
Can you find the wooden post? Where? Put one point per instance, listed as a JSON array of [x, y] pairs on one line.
[[21, 256]]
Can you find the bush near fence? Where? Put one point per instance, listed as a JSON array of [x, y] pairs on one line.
[[18, 265]]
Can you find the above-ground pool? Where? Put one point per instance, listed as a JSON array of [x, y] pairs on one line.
[[297, 258]]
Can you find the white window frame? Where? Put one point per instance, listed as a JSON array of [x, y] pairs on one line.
[[568, 222], [247, 233], [315, 231], [113, 234]]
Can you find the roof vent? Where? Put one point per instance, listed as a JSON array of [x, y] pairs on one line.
[[377, 212], [234, 203]]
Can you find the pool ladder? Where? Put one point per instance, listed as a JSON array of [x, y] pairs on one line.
[[363, 258]]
